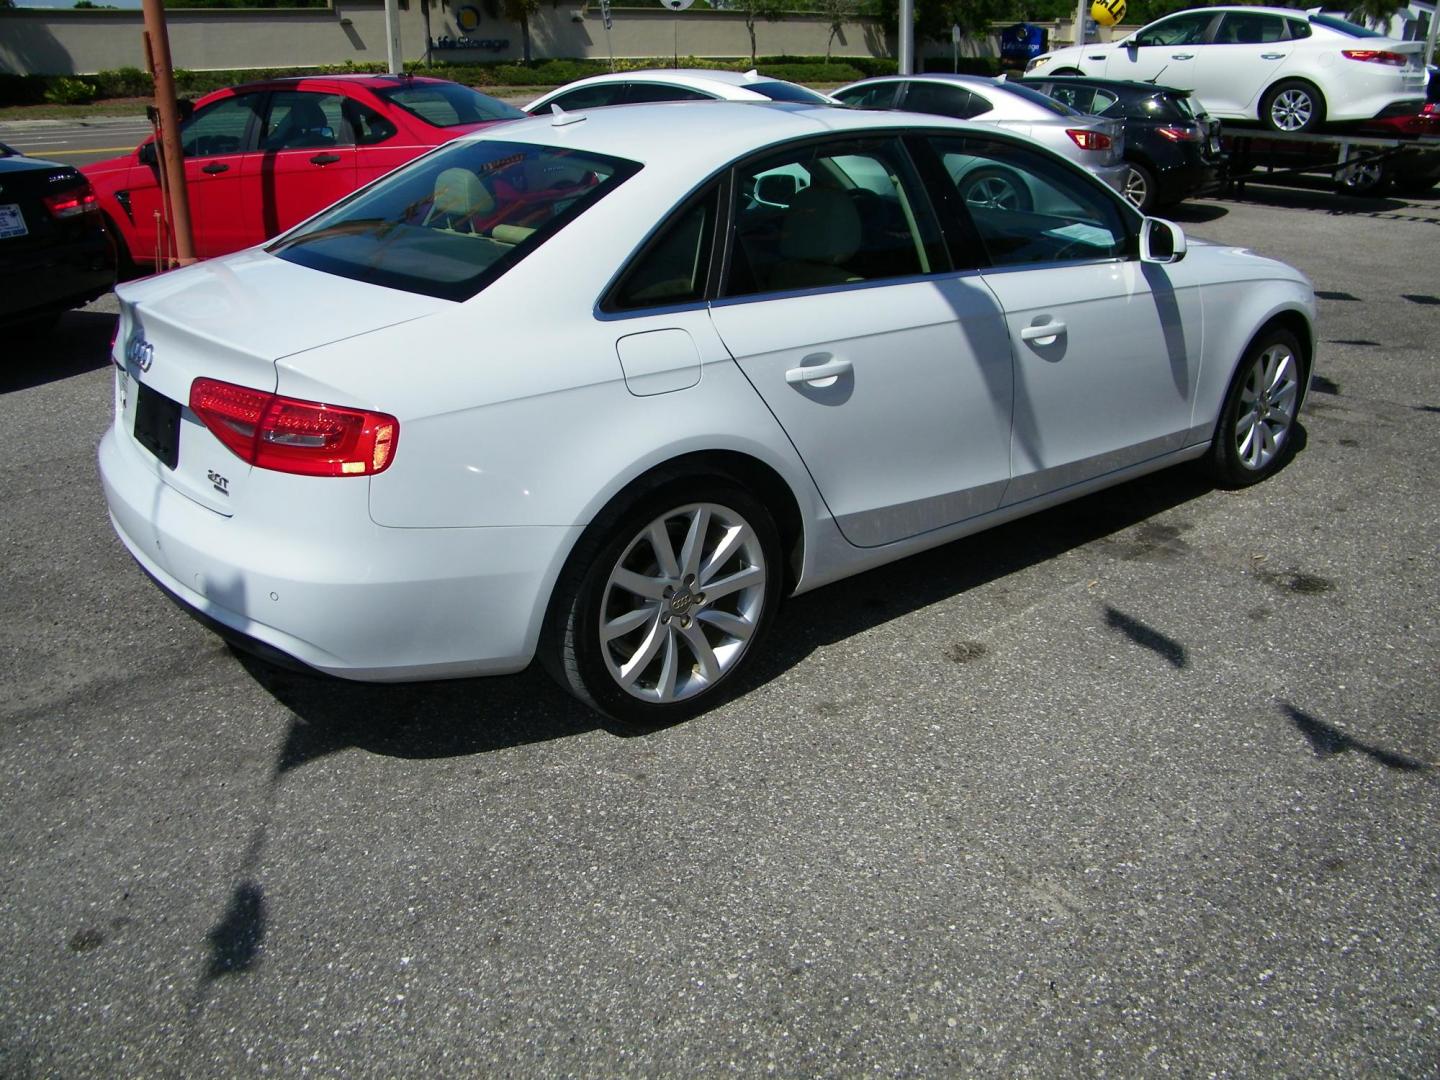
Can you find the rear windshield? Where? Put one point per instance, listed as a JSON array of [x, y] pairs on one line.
[[1037, 98], [452, 222], [448, 104], [783, 91], [1344, 26]]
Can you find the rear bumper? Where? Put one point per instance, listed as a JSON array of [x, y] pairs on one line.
[[36, 281], [348, 598]]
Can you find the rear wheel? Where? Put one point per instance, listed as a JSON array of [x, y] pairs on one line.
[[1257, 422], [995, 189], [1365, 178], [1139, 187], [657, 611], [1293, 105]]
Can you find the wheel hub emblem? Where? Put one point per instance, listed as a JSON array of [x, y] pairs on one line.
[[682, 602]]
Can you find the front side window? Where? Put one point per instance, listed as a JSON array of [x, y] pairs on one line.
[[447, 104], [1187, 28], [454, 221], [829, 215], [1028, 208], [302, 120], [222, 127]]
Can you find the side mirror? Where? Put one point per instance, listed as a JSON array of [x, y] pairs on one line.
[[1161, 241], [777, 189], [148, 154], [1131, 43]]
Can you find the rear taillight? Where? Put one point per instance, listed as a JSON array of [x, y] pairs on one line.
[[73, 203], [1180, 134], [1089, 140], [1374, 56], [289, 435]]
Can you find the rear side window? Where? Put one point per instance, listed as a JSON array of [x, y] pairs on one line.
[[454, 221], [300, 120], [367, 124], [674, 267], [870, 96], [639, 93]]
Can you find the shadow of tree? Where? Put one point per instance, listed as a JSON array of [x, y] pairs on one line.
[[1328, 741], [79, 343]]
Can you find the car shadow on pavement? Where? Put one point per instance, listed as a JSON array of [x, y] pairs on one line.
[[1193, 213], [78, 343], [476, 716]]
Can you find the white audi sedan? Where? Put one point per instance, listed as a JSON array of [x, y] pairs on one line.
[[1290, 70], [572, 388], [672, 84]]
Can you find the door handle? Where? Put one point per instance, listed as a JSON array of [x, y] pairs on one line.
[[816, 373], [1042, 332], [216, 167], [1182, 56], [1272, 56], [324, 159]]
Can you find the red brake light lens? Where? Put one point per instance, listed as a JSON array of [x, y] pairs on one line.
[[1089, 140], [1374, 56], [73, 203], [294, 436], [1180, 134]]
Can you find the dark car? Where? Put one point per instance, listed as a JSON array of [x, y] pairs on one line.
[[1172, 148], [54, 252]]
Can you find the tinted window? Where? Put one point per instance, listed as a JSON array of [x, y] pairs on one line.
[[221, 127], [1298, 28], [944, 100], [673, 267], [642, 92], [1028, 208], [447, 104], [783, 91], [870, 95], [1245, 28], [368, 125], [452, 222], [822, 216], [587, 97], [1184, 29], [299, 120]]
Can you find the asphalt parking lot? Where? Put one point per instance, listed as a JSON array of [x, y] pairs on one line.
[[1146, 784]]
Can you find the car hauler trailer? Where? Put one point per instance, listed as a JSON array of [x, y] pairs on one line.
[[1359, 163]]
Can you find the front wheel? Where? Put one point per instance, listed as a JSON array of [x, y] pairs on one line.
[[1257, 422], [1292, 106], [656, 613]]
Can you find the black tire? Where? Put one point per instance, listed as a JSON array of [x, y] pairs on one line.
[[1139, 190], [652, 669], [996, 189], [1068, 71], [125, 268], [1364, 181], [1255, 435], [1417, 186], [1293, 105]]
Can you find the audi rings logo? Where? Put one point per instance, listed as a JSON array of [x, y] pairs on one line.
[[140, 353]]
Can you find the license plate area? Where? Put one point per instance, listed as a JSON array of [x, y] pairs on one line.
[[157, 424], [12, 222]]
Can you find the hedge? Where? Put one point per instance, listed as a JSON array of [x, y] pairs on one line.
[[132, 82]]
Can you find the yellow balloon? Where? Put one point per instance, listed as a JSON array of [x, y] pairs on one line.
[[1108, 12]]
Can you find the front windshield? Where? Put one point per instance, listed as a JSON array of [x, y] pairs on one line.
[[1344, 26], [452, 222], [446, 104]]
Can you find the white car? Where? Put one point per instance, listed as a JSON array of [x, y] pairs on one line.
[[672, 84], [1290, 70], [1092, 142], [570, 388]]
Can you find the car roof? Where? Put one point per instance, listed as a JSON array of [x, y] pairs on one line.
[[1148, 89], [373, 82], [681, 76], [700, 136], [1294, 13]]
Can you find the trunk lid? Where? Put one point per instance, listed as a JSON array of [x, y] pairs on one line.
[[230, 319]]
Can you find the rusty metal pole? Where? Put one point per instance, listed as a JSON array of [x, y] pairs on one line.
[[171, 157]]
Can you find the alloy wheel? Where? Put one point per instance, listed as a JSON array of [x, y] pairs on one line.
[[1137, 188], [1291, 110], [682, 603], [1269, 398]]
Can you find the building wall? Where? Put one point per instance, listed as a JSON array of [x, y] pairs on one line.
[[36, 41]]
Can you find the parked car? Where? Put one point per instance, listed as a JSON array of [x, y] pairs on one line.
[[264, 156], [567, 389], [1289, 70], [1093, 143], [672, 84], [1172, 150], [54, 253]]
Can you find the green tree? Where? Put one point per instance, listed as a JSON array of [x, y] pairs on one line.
[[1375, 13], [519, 11], [754, 11], [837, 13]]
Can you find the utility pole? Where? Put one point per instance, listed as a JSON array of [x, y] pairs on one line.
[[906, 38], [392, 36], [171, 157]]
